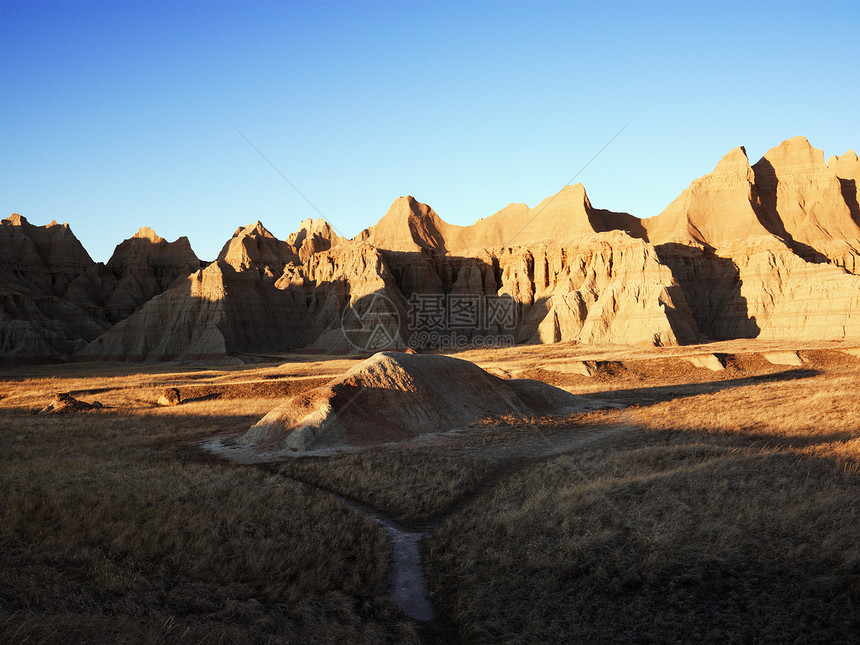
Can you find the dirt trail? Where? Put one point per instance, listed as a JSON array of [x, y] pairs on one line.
[[407, 584]]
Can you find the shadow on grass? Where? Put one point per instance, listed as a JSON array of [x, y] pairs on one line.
[[658, 394], [762, 440], [206, 397]]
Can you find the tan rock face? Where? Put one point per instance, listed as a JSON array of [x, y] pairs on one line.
[[56, 299], [354, 276], [53, 247], [145, 266], [738, 239], [214, 313], [716, 209], [805, 202], [38, 266], [768, 250], [313, 236], [559, 219], [181, 323], [254, 247], [607, 288], [566, 278], [408, 226]]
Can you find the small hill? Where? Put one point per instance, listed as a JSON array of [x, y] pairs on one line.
[[393, 396]]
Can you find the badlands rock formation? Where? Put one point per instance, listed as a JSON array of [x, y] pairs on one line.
[[54, 299], [215, 313], [313, 236], [393, 396], [39, 265], [145, 266], [765, 250], [556, 222], [748, 272], [253, 247], [572, 281], [808, 204]]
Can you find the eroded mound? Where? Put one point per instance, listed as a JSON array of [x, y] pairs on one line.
[[393, 396]]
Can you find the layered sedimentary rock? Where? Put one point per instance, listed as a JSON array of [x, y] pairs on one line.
[[558, 220], [768, 250], [212, 314], [715, 210], [254, 247], [393, 396], [584, 279], [146, 265], [805, 202], [313, 236], [37, 266], [741, 274], [55, 299], [606, 288], [343, 287]]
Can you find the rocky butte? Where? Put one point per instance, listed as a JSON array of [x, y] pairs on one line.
[[764, 250]]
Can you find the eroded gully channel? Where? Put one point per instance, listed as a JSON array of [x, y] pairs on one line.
[[407, 584]]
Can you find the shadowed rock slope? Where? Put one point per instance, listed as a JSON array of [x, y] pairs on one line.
[[44, 307], [54, 299]]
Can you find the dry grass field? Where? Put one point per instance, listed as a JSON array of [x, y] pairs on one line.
[[114, 529], [719, 506]]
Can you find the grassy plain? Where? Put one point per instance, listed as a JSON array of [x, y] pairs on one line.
[[720, 506]]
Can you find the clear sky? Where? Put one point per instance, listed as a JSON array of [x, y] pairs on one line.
[[117, 115]]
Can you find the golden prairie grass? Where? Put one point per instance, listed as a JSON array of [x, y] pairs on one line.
[[728, 513], [673, 544], [409, 486], [114, 529], [821, 413]]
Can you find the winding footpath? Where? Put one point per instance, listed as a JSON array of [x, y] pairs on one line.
[[407, 583]]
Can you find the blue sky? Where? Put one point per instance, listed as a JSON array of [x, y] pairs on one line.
[[117, 115]]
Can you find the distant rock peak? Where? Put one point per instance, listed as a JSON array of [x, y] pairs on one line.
[[146, 233], [253, 230], [795, 154], [16, 220]]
